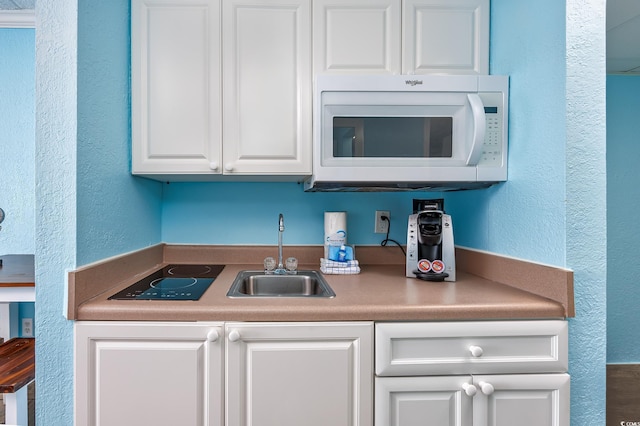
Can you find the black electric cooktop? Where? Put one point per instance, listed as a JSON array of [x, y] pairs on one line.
[[173, 282]]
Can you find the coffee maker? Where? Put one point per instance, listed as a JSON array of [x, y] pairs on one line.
[[430, 249]]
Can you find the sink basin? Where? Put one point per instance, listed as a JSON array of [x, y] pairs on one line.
[[259, 284]]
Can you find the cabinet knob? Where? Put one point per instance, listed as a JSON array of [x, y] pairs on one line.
[[486, 388], [469, 389], [214, 165], [476, 351], [234, 336], [213, 335], [228, 167]]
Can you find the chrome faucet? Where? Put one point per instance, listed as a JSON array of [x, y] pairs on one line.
[[280, 269], [270, 265]]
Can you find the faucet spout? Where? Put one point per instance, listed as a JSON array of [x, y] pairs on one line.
[[280, 269]]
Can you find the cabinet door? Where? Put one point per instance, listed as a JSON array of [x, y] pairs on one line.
[[445, 36], [161, 374], [175, 81], [424, 401], [356, 36], [267, 87], [523, 400], [292, 374]]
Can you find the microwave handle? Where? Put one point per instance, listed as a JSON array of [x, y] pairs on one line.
[[479, 129]]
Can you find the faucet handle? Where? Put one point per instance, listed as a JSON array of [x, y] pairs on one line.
[[269, 264], [291, 264]]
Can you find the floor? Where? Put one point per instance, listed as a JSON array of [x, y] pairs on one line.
[[623, 402], [31, 392]]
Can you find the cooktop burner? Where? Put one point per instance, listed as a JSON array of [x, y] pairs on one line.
[[173, 282]]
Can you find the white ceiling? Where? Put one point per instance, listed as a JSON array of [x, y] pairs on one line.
[[623, 32], [623, 36]]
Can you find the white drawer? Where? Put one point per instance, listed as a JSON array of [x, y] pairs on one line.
[[479, 347]]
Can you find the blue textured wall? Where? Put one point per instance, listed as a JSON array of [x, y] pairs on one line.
[[526, 216], [623, 239], [56, 128], [247, 213], [17, 140], [116, 212], [586, 232], [17, 148]]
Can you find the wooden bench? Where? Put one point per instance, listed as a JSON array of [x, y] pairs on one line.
[[17, 370]]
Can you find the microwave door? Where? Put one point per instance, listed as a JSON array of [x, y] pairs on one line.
[[348, 137], [418, 137]]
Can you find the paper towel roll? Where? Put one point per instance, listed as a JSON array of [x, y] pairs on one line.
[[335, 229]]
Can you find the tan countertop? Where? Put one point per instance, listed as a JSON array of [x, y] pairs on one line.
[[379, 292]]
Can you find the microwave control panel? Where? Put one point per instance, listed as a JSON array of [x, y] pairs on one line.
[[492, 147]]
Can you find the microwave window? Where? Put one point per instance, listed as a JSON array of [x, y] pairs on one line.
[[415, 137]]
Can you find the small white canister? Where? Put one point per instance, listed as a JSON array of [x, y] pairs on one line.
[[335, 230]]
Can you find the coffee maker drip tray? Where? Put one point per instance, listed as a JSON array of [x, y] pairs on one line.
[[173, 282], [430, 276]]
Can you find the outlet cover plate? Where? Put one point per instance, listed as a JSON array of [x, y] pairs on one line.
[[382, 226]]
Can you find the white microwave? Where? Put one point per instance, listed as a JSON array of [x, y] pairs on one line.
[[409, 132]]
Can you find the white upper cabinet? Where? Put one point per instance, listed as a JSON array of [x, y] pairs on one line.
[[356, 36], [267, 86], [195, 118], [445, 36], [176, 94], [401, 36]]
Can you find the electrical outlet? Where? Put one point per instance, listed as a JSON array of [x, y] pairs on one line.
[[27, 327], [382, 226]]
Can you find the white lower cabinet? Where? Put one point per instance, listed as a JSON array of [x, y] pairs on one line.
[[496, 400], [277, 374], [465, 373], [522, 399], [483, 373], [423, 401], [148, 373], [293, 374]]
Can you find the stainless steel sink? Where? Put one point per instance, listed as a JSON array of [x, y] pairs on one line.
[[259, 284]]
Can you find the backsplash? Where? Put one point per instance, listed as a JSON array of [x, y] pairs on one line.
[[247, 213]]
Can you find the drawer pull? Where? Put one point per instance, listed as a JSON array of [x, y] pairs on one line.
[[476, 351], [486, 388], [213, 335], [469, 389], [234, 336]]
